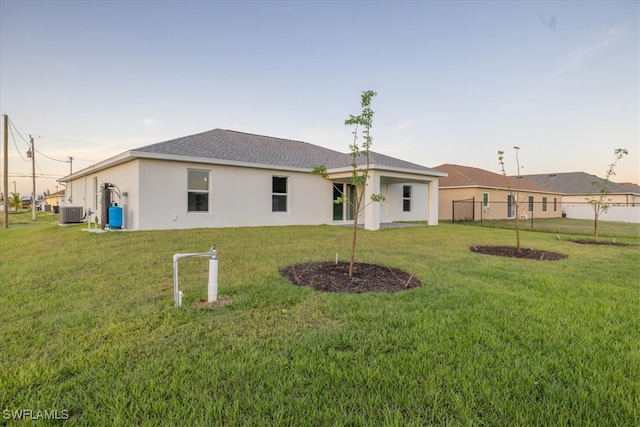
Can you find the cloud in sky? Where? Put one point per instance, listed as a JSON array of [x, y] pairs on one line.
[[149, 121], [585, 54]]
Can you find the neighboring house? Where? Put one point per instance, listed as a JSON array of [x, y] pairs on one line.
[[25, 202], [224, 178], [469, 193], [53, 200], [578, 186]]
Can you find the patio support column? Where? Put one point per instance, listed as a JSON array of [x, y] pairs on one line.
[[432, 216], [372, 209]]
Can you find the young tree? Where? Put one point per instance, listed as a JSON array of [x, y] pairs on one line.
[[515, 195], [600, 203], [359, 174]]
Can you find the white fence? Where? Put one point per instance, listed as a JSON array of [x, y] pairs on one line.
[[615, 213]]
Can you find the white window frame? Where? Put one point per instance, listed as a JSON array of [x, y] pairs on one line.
[[511, 206], [278, 194], [406, 200], [199, 191]]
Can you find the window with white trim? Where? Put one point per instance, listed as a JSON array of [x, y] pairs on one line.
[[544, 204], [511, 206], [530, 203], [485, 200], [197, 190], [406, 198], [279, 193]]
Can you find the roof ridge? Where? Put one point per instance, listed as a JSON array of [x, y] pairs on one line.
[[272, 137]]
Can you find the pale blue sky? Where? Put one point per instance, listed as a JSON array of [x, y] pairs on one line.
[[456, 81]]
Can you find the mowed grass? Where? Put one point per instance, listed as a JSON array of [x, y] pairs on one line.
[[88, 326]]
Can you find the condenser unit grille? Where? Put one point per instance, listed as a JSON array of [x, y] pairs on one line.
[[70, 214]]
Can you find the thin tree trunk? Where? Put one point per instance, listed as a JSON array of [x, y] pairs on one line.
[[517, 229], [352, 257]]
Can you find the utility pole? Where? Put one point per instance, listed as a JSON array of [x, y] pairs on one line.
[[33, 176], [5, 182]]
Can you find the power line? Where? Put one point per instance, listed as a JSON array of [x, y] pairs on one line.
[[51, 158], [83, 142], [16, 130], [67, 160], [66, 140], [17, 149], [12, 129], [41, 175]]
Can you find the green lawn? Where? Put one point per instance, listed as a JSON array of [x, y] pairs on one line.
[[87, 326], [568, 226]]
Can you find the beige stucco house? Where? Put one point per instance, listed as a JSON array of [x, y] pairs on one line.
[[53, 201], [469, 193], [224, 178]]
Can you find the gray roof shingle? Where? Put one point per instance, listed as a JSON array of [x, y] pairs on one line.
[[576, 183], [222, 144]]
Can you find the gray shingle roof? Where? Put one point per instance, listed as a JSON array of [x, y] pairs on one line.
[[221, 144], [576, 183]]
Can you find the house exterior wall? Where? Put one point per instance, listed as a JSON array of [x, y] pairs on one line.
[[82, 191], [447, 195], [497, 205], [238, 196], [54, 199], [392, 206], [155, 195]]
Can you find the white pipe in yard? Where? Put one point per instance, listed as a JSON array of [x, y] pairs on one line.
[[212, 289]]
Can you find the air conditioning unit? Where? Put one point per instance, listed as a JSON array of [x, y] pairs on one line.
[[485, 209], [70, 214]]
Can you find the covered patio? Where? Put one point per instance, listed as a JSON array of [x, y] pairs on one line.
[[390, 182]]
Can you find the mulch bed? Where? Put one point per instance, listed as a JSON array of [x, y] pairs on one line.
[[332, 277], [508, 251]]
